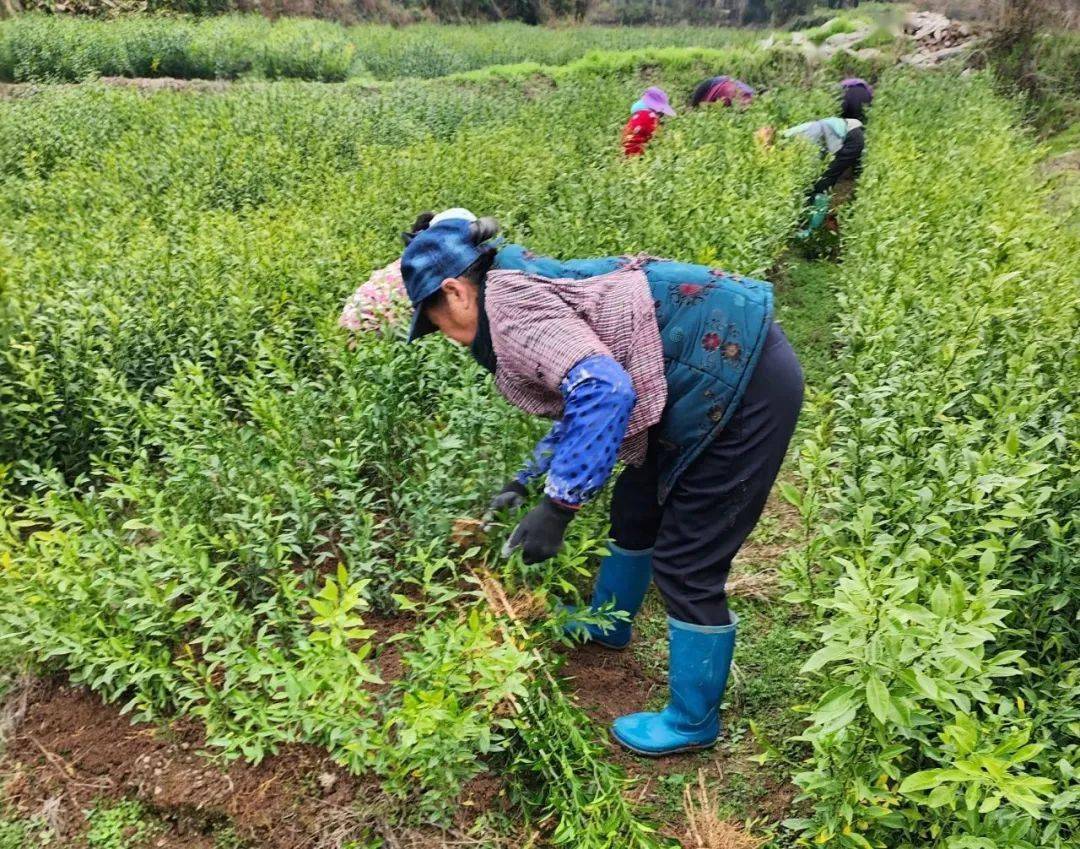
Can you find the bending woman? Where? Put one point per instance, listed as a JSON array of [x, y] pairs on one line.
[[722, 89], [645, 117], [844, 138], [677, 369]]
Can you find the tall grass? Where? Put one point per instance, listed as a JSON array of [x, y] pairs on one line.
[[57, 48], [427, 50]]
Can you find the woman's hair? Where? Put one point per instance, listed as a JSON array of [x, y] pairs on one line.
[[422, 222], [854, 101], [479, 231], [700, 92]]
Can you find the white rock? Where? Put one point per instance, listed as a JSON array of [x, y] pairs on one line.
[[846, 39]]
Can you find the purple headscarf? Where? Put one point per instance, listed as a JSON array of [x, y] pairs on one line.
[[852, 82], [728, 90]]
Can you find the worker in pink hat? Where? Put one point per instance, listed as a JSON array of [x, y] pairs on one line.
[[644, 119]]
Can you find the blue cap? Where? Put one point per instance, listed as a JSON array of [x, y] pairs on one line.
[[445, 249]]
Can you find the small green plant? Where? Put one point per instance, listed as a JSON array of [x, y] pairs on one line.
[[16, 833], [121, 825], [463, 684], [878, 39], [227, 838]]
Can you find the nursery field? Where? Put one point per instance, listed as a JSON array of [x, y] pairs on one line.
[[239, 605], [58, 48]]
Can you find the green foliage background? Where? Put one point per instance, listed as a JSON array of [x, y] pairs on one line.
[[207, 497], [62, 48], [189, 447]]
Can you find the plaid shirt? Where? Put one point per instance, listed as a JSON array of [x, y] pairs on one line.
[[541, 328]]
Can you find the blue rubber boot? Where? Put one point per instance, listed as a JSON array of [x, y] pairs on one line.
[[623, 578], [698, 672]]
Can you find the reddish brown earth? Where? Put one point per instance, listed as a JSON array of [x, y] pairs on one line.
[[607, 683], [69, 751], [72, 747], [65, 749], [387, 654]]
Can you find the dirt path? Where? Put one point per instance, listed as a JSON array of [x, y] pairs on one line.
[[607, 684], [147, 84]]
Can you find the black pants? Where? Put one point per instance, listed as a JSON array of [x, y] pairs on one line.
[[718, 500], [848, 156]]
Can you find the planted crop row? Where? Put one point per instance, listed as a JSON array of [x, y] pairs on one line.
[[203, 488], [69, 49], [59, 48], [436, 50], [943, 477]]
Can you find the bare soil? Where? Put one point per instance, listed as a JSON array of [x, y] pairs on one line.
[[387, 655], [72, 747], [607, 684]]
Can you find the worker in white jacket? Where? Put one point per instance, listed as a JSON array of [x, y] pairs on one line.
[[842, 137]]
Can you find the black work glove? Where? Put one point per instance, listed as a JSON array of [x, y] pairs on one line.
[[509, 497], [540, 534]]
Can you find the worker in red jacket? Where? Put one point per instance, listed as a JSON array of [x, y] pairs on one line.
[[644, 119]]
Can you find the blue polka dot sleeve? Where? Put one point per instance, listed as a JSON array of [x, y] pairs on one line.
[[599, 397], [540, 461]]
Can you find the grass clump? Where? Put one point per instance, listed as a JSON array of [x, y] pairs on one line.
[[70, 49], [838, 25], [879, 39], [59, 48]]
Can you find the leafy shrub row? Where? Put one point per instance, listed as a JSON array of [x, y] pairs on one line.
[[66, 49], [189, 450], [943, 479], [58, 48], [428, 50]]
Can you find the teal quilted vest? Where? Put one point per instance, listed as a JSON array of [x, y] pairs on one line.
[[713, 326]]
